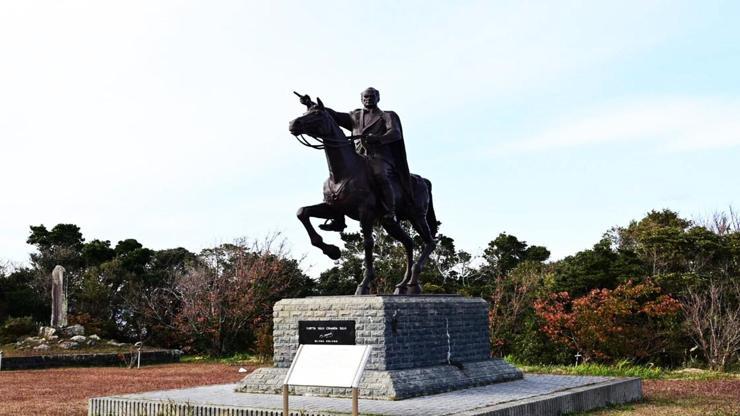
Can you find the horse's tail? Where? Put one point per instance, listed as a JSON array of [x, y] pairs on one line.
[[431, 216]]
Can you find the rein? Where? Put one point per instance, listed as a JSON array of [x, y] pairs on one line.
[[323, 144]]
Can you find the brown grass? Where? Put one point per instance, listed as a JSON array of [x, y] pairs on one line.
[[63, 392], [57, 392], [683, 398]]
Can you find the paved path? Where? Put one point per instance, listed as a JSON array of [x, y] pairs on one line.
[[455, 402]]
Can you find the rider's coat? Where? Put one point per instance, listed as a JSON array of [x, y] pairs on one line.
[[388, 156]]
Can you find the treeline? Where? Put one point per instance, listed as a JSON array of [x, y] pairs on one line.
[[218, 301], [662, 290]]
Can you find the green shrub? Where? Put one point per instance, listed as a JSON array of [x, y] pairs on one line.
[[431, 288], [13, 328]]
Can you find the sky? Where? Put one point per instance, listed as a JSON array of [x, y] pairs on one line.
[[166, 121]]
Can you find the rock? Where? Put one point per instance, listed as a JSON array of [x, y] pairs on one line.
[[116, 344], [94, 337], [69, 345], [78, 338], [73, 330], [47, 331], [32, 340], [52, 338], [42, 347]]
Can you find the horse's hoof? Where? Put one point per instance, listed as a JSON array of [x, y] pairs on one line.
[[361, 290], [413, 289], [400, 290], [332, 251]]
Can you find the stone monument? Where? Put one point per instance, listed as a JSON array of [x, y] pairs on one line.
[[420, 344], [58, 298]]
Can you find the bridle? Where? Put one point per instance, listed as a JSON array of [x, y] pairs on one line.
[[324, 143]]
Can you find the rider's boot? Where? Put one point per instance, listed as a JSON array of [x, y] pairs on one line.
[[336, 224], [388, 202]]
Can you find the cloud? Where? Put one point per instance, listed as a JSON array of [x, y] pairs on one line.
[[674, 124]]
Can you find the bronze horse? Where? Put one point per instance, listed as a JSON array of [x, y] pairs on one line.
[[349, 191]]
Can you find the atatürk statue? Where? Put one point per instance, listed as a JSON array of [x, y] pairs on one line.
[[368, 180]]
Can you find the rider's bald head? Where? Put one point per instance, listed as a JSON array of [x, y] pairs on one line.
[[371, 90], [370, 97]]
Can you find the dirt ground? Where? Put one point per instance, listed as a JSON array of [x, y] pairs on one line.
[[64, 391], [683, 398], [57, 392]]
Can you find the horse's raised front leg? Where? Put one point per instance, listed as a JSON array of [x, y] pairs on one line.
[[322, 210], [368, 243], [395, 230], [420, 225]]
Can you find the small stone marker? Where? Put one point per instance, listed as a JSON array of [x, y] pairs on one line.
[[328, 366], [58, 298]]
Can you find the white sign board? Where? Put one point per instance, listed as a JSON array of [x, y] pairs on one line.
[[328, 365]]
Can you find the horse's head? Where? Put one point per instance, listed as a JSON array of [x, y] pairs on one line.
[[316, 122]]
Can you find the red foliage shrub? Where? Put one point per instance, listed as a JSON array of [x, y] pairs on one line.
[[226, 299], [632, 321], [220, 303]]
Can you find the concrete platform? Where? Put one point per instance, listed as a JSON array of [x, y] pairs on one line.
[[535, 395]]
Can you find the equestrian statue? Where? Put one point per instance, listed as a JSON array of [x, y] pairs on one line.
[[369, 181]]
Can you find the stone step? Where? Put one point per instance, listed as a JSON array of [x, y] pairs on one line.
[[534, 395]]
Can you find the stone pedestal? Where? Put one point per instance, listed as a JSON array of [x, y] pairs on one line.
[[421, 344]]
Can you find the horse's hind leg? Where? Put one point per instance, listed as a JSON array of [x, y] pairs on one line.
[[368, 243], [420, 225], [322, 210], [395, 230]]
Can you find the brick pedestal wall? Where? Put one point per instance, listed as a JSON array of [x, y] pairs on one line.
[[421, 344]]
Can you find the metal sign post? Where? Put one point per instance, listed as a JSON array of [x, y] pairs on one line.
[[309, 368]]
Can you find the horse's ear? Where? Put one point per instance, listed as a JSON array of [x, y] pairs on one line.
[[318, 101]]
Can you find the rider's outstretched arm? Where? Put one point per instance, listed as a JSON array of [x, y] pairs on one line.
[[343, 119]]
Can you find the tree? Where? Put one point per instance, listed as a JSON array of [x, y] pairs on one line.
[[713, 322], [511, 302], [225, 298], [19, 296], [513, 276], [501, 257], [506, 252], [599, 267], [632, 321], [657, 239], [62, 245], [97, 252]]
